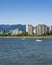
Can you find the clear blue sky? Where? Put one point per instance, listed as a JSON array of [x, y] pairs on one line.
[[26, 12]]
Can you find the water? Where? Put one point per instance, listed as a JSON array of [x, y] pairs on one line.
[[15, 51]]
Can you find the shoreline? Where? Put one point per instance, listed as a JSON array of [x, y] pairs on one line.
[[25, 36]]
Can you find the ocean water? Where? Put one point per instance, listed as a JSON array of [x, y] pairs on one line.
[[16, 51]]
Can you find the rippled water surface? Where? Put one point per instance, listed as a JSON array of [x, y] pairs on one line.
[[18, 51]]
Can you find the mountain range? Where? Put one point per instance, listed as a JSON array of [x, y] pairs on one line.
[[7, 28]]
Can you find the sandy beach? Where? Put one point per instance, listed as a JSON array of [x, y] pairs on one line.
[[25, 36]]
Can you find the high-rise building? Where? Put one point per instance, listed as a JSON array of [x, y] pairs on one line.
[[1, 32], [50, 28], [35, 30], [14, 32], [29, 29], [41, 29], [44, 29]]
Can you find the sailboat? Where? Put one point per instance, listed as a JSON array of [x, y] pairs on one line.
[[23, 38]]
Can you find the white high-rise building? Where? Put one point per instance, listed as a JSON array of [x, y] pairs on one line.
[[14, 32], [50, 28], [29, 29], [1, 32], [35, 30]]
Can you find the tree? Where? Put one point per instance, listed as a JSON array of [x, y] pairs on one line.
[[47, 33], [50, 32], [23, 34]]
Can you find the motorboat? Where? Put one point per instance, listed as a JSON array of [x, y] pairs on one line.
[[39, 40]]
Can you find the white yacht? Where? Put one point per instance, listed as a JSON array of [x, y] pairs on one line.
[[39, 40]]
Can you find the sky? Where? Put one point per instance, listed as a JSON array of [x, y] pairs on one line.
[[26, 12]]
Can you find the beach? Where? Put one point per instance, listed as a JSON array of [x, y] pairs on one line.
[[26, 36]]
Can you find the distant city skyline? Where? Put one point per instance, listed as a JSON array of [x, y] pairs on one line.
[[26, 12]]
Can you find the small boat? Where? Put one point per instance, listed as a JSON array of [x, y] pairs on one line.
[[39, 40], [23, 38]]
